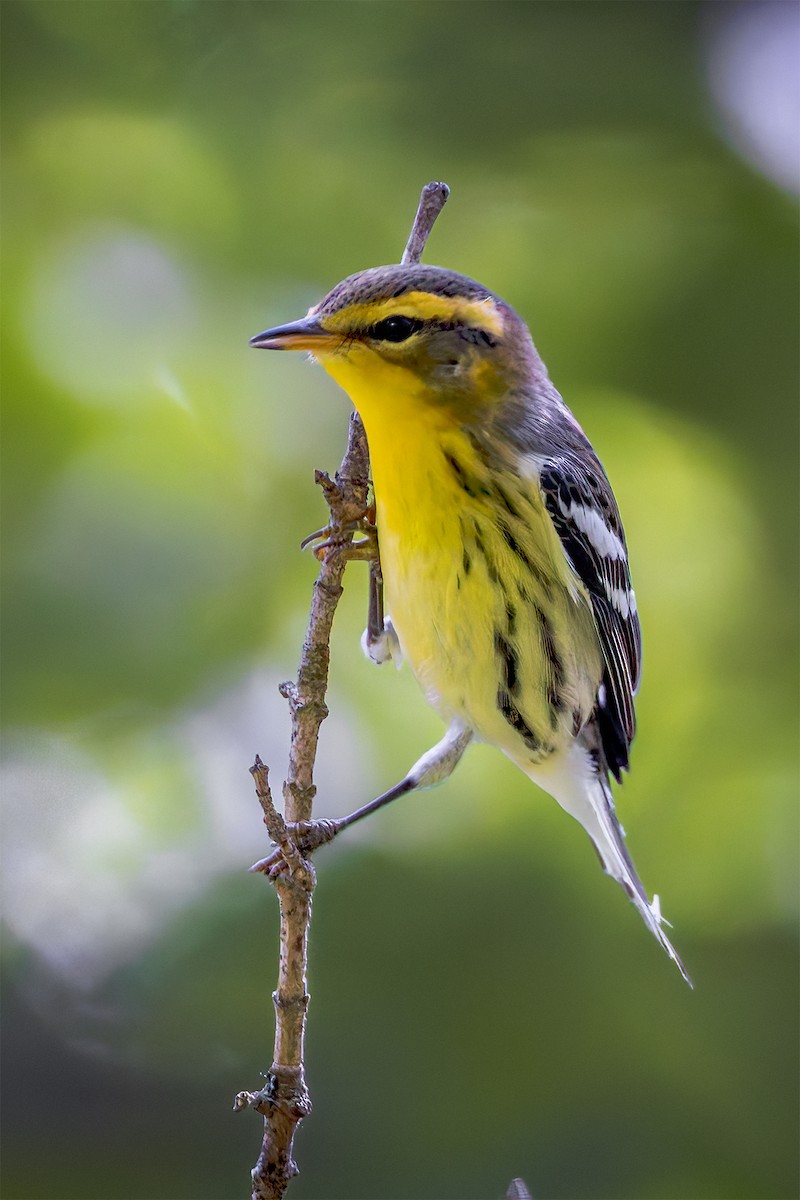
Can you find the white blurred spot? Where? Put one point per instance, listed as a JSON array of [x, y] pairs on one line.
[[168, 383], [753, 56], [95, 867], [105, 311], [80, 885]]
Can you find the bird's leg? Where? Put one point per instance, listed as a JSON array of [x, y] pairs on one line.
[[432, 768], [379, 641], [375, 619]]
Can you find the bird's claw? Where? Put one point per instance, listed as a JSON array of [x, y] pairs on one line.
[[304, 838], [341, 538]]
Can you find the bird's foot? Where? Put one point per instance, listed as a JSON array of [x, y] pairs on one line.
[[383, 647], [304, 838], [357, 539]]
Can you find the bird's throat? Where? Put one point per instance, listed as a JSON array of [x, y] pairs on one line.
[[408, 434]]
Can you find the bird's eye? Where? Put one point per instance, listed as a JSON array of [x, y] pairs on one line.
[[395, 329]]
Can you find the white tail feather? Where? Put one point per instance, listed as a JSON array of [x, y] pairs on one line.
[[574, 783]]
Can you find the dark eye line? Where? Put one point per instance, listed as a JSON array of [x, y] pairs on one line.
[[472, 334], [398, 328]]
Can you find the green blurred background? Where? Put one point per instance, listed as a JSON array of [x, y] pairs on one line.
[[177, 177]]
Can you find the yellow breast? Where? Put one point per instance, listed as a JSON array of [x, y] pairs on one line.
[[466, 600], [417, 507]]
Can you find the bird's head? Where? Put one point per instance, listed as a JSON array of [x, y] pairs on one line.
[[425, 334]]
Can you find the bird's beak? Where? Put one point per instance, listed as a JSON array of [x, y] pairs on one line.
[[305, 334]]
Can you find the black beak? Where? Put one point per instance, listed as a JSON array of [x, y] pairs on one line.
[[305, 334]]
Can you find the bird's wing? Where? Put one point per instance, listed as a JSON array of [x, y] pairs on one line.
[[584, 512]]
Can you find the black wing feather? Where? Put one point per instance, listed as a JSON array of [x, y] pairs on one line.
[[567, 480]]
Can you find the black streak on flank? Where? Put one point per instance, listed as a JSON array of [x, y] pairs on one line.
[[516, 720], [491, 569], [523, 592], [555, 681], [508, 661], [515, 547], [466, 561], [507, 502], [460, 474], [465, 481], [481, 452], [511, 617]]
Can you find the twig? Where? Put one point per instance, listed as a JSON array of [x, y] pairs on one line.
[[284, 1100], [431, 202]]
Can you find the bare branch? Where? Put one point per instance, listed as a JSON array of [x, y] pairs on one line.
[[431, 202], [272, 818], [284, 1100], [346, 496]]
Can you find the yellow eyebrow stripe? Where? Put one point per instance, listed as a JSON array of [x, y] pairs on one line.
[[425, 306]]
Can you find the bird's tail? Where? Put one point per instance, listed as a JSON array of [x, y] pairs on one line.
[[586, 795]]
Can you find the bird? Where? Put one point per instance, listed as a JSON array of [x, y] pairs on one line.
[[502, 549]]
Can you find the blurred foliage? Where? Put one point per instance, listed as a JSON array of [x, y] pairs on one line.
[[178, 176]]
